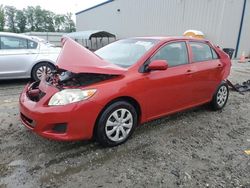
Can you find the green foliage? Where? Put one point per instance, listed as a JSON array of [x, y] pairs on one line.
[[34, 19], [10, 13], [2, 18], [21, 21], [69, 24], [59, 20], [30, 15]]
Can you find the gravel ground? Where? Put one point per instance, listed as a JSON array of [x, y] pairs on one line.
[[196, 148]]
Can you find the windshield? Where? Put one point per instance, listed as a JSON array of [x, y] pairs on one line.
[[125, 53]]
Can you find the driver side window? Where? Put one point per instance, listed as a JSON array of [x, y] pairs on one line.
[[175, 54]]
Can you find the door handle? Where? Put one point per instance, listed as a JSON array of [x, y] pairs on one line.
[[189, 72], [219, 65]]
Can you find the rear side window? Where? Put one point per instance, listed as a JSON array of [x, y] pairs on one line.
[[201, 52], [13, 43], [215, 56], [32, 44], [175, 54]]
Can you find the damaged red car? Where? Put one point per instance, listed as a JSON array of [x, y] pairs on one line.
[[106, 94]]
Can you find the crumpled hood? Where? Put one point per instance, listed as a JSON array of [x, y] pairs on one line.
[[77, 59]]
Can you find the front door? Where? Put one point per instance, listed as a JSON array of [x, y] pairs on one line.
[[169, 91]]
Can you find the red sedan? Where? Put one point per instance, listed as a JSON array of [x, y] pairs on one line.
[[106, 94]]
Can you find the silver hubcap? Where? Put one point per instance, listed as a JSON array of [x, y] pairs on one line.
[[222, 95], [43, 70], [119, 124]]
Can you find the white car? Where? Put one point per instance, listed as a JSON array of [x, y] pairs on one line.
[[22, 56]]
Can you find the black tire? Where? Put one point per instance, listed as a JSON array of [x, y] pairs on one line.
[[220, 97], [48, 67], [101, 129]]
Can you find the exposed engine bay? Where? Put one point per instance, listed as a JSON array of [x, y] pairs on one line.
[[63, 79]]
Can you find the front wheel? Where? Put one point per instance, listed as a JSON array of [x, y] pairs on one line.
[[220, 97], [116, 124]]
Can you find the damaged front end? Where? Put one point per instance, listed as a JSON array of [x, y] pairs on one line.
[[59, 106], [34, 93], [66, 79], [62, 79], [77, 67]]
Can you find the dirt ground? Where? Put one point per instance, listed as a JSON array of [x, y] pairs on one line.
[[196, 148]]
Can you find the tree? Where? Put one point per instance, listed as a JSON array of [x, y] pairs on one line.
[[49, 21], [39, 19], [59, 19], [10, 12], [69, 23], [35, 19], [2, 18], [30, 15], [21, 20]]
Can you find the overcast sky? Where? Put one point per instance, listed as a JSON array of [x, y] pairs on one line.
[[57, 6]]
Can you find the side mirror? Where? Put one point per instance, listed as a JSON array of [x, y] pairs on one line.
[[158, 65]]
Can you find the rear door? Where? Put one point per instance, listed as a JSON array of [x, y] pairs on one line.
[[16, 56], [207, 74]]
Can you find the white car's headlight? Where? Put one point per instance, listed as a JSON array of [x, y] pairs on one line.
[[68, 96]]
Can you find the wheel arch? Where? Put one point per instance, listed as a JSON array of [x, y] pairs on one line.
[[212, 102], [222, 82], [128, 99]]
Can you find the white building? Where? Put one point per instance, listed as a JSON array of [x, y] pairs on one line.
[[224, 22]]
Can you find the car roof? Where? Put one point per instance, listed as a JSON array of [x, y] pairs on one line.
[[170, 38], [16, 35]]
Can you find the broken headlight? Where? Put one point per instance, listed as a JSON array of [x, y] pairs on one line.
[[68, 96]]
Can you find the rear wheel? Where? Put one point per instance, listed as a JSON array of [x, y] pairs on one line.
[[116, 124], [40, 69], [220, 97]]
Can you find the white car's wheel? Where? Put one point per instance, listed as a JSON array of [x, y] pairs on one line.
[[40, 69]]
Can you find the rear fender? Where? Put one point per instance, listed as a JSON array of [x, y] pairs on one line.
[[226, 61]]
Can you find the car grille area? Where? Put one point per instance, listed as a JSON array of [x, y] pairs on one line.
[[34, 93]]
